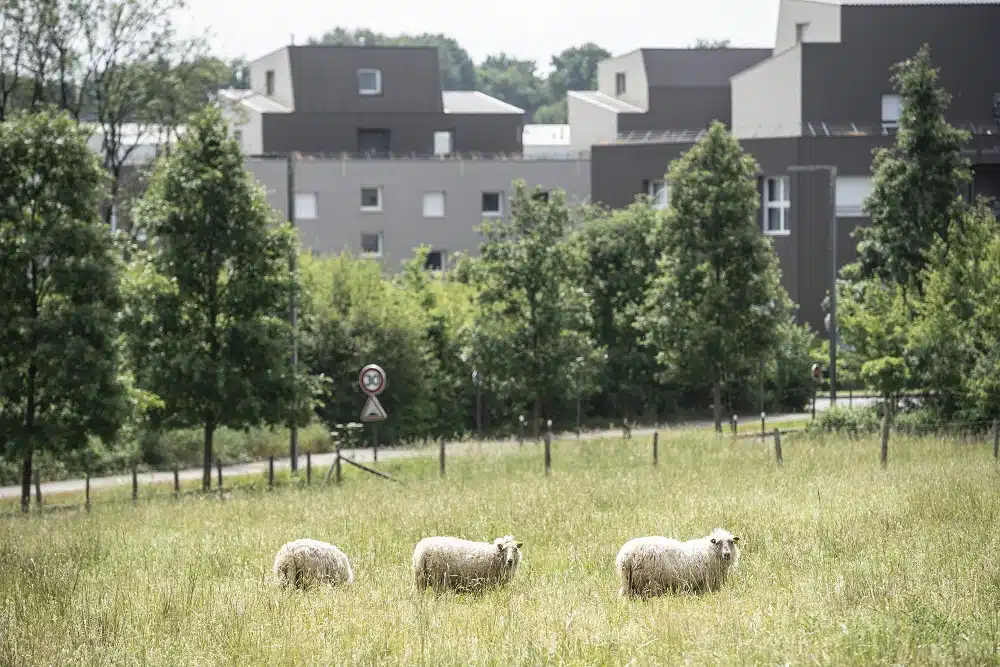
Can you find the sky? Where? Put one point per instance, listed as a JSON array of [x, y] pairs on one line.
[[530, 29]]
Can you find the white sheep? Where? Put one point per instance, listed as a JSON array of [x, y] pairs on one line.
[[463, 565], [305, 562], [649, 566]]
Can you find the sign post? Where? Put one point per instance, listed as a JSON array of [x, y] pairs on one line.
[[372, 383]]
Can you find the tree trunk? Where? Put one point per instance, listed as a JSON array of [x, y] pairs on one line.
[[206, 481], [717, 404], [886, 420], [26, 482]]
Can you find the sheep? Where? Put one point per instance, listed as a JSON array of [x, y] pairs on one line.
[[649, 566], [305, 562], [463, 565]]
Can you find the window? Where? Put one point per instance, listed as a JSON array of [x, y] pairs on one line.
[[435, 260], [371, 198], [891, 111], [659, 192], [851, 194], [433, 204], [442, 143], [541, 195], [238, 136], [371, 244], [620, 83], [493, 204], [800, 31], [777, 205], [269, 82], [369, 82], [306, 206]]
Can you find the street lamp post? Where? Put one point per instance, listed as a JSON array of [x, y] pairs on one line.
[[832, 170]]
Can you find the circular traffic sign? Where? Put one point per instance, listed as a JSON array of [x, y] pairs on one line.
[[372, 379]]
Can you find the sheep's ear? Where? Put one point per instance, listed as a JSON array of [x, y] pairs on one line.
[[736, 538], [520, 544], [714, 541], [500, 547]]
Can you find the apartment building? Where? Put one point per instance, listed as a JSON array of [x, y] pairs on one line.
[[385, 160], [814, 107]]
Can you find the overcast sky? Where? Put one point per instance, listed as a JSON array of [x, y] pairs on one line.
[[533, 29]]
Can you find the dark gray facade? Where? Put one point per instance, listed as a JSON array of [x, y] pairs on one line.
[[843, 75], [374, 101]]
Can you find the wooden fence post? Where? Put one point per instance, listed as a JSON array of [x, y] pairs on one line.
[[338, 473], [218, 467], [996, 438], [656, 447], [135, 484], [777, 446], [884, 455], [763, 425], [38, 490], [548, 452], [441, 458], [86, 491], [309, 468], [270, 472], [177, 482]]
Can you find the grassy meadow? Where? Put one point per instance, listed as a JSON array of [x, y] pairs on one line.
[[843, 563]]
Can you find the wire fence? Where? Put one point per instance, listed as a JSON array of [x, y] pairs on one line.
[[265, 476]]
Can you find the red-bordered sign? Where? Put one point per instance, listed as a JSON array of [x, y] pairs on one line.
[[372, 380]]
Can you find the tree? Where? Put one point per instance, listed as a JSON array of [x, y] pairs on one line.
[[59, 294], [512, 81], [917, 182], [210, 331], [622, 248], [534, 320], [717, 305], [457, 69], [702, 43], [574, 69]]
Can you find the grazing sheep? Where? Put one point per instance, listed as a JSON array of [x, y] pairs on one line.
[[305, 562], [462, 565], [649, 566]]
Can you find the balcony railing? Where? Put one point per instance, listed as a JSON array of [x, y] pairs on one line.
[[808, 129], [568, 156]]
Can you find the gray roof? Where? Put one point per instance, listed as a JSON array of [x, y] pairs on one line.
[[610, 103], [473, 101], [254, 101], [698, 68]]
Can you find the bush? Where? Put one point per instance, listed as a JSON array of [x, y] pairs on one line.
[[852, 422]]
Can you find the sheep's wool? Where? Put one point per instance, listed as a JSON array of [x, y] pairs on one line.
[[649, 566], [463, 565], [306, 562]]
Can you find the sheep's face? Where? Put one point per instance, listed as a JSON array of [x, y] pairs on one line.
[[509, 551], [725, 544]]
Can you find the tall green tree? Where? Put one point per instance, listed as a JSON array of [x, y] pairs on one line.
[[574, 68], [59, 294], [534, 321], [622, 248], [212, 333], [917, 182], [717, 305]]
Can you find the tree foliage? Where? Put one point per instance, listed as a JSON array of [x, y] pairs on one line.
[[717, 304], [917, 182], [211, 334], [59, 294]]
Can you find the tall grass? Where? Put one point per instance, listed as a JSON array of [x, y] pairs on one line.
[[843, 563]]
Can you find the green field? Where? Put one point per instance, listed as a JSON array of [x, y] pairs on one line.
[[843, 563]]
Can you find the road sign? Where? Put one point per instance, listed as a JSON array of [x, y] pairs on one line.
[[373, 411], [817, 372], [372, 380]]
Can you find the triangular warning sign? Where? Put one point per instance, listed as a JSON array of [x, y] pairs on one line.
[[373, 411]]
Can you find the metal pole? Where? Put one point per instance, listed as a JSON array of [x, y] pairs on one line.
[[293, 431], [833, 286], [832, 170]]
